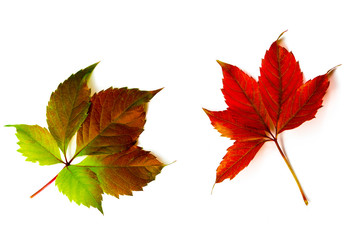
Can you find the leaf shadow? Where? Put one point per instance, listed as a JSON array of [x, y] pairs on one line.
[[92, 84]]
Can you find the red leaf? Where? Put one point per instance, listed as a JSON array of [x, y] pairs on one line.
[[304, 104], [231, 127], [238, 156], [246, 117], [280, 77], [258, 112]]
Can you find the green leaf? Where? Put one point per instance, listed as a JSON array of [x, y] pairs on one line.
[[80, 185], [114, 122], [37, 144], [124, 172], [68, 106]]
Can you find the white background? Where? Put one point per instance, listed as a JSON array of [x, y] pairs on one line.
[[175, 45]]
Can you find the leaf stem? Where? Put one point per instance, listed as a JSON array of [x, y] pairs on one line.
[[65, 156], [71, 160], [292, 171], [46, 185]]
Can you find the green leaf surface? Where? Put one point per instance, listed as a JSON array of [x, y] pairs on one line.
[[124, 172], [114, 122], [37, 144], [68, 106], [80, 185]]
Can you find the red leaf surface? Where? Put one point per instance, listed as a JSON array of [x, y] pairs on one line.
[[238, 156], [244, 101], [280, 77], [304, 104], [258, 112]]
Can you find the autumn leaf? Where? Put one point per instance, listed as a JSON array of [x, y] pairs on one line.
[[107, 126], [68, 106], [124, 172], [115, 121], [238, 156], [259, 111]]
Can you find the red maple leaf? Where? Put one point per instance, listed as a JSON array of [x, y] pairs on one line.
[[259, 111]]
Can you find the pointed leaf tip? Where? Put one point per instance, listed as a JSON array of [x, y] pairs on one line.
[[280, 36], [212, 189], [205, 110], [154, 92], [225, 66], [222, 64], [329, 72], [92, 67]]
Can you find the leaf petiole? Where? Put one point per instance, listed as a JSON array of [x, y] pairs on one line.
[[292, 171], [46, 185]]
